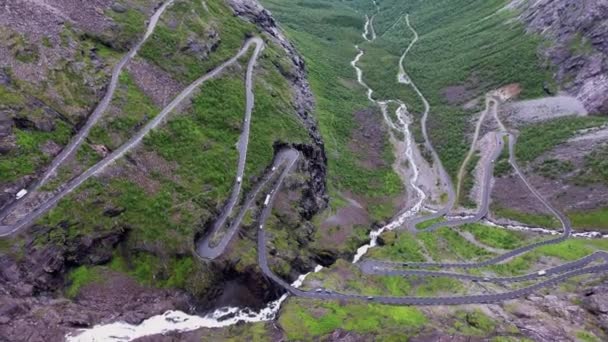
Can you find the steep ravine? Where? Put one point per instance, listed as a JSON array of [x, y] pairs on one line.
[[34, 272]]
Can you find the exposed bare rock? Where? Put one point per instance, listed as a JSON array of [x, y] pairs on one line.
[[7, 142], [154, 82], [580, 49], [596, 300], [202, 48], [304, 100]]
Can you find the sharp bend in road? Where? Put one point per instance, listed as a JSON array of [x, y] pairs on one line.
[[102, 106], [486, 190], [561, 273], [565, 222], [204, 248], [287, 160], [445, 178], [134, 141]]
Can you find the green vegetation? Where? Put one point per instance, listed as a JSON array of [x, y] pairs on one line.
[[595, 219], [167, 188], [517, 266], [326, 35], [307, 320], [569, 250], [458, 46], [134, 110], [538, 220], [495, 237], [435, 286], [586, 336], [187, 21], [474, 323], [468, 182], [28, 157], [79, 277], [425, 224], [149, 270], [596, 167], [554, 168], [580, 45], [273, 117], [539, 138], [461, 248], [404, 249], [132, 25]]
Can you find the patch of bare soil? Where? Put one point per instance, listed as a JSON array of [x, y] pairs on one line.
[[511, 192], [561, 190], [508, 92], [461, 94], [139, 167], [338, 227], [487, 146], [154, 82], [116, 293], [368, 139]]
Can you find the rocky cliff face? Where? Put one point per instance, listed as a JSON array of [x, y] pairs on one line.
[[577, 30], [304, 100], [34, 273]]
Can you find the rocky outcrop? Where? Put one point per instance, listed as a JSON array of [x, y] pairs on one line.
[[303, 97], [579, 51], [32, 271]]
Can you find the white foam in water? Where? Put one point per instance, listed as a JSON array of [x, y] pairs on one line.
[[404, 122], [588, 235], [178, 321]]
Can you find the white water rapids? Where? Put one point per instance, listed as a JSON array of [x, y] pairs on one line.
[[402, 126], [178, 321]]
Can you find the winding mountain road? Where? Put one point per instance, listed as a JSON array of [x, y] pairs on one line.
[[204, 248], [467, 159], [102, 106], [130, 144], [561, 273], [486, 191], [283, 165]]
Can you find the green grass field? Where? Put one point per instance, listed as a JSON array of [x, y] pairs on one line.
[[306, 320], [495, 237]]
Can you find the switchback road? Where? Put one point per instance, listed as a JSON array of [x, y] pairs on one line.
[[102, 106], [130, 144]]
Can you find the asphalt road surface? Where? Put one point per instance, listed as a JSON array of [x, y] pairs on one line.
[[102, 106], [134, 141], [445, 178], [284, 164], [204, 248], [561, 273], [486, 190], [285, 158]]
